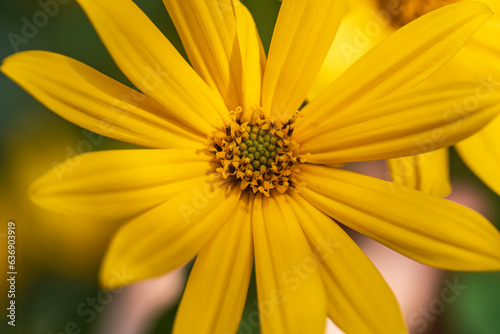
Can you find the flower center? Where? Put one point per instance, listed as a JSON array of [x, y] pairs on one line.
[[405, 11], [259, 154]]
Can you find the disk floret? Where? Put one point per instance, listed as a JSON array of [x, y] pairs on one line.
[[260, 154]]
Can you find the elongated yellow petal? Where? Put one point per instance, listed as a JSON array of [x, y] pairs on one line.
[[425, 228], [96, 102], [152, 64], [169, 235], [406, 123], [217, 287], [208, 32], [480, 153], [428, 172], [302, 37], [358, 298], [401, 61], [253, 59], [118, 184], [289, 287]]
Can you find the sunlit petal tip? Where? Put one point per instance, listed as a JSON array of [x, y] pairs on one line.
[[10, 64], [4, 65]]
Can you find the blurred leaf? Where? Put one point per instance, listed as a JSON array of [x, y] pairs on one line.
[[476, 311]]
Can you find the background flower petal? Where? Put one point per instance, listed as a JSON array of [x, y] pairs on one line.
[[480, 153], [428, 172]]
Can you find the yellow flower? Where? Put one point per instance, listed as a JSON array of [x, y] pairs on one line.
[[370, 21], [200, 189]]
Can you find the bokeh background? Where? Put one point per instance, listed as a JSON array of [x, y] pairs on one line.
[[58, 256]]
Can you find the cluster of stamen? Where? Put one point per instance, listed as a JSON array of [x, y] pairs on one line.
[[260, 154]]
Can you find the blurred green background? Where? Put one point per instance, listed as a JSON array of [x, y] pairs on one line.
[[58, 256]]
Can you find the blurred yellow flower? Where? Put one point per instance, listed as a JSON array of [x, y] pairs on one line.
[[234, 173], [370, 21]]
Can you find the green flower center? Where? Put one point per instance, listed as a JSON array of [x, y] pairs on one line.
[[261, 147]]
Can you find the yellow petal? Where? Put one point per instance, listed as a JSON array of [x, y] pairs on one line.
[[485, 37], [480, 153], [493, 4], [428, 172], [359, 299], [208, 32], [96, 102], [289, 287], [153, 65], [425, 228], [403, 60], [216, 291], [169, 235], [253, 59], [118, 184], [478, 59], [406, 123], [303, 34]]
